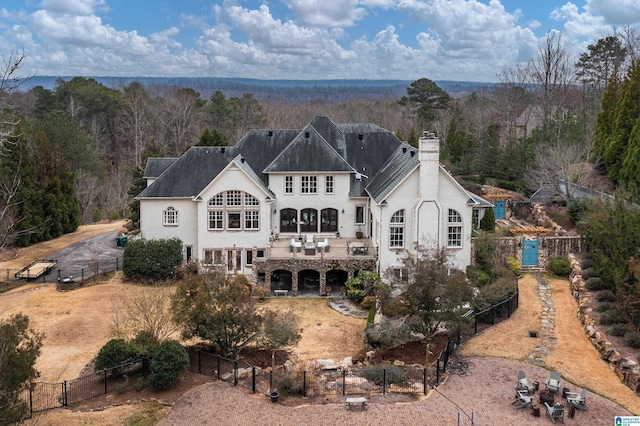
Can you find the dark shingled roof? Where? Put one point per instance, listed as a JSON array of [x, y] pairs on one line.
[[401, 162], [189, 175], [155, 166], [359, 149], [309, 152]]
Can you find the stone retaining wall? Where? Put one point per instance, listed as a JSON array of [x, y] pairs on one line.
[[626, 369]]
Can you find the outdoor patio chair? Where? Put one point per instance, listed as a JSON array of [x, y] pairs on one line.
[[309, 239], [553, 382], [323, 245], [556, 412], [522, 399], [578, 400], [523, 383]]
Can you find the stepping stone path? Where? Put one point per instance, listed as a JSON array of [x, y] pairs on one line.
[[547, 334]]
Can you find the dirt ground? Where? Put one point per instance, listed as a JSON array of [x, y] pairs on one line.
[[76, 325]]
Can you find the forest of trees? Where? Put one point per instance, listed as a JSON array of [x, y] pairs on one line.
[[79, 149]]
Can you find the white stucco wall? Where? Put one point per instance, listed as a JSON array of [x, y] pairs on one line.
[[151, 220]]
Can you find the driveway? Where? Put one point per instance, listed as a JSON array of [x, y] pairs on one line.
[[83, 258]]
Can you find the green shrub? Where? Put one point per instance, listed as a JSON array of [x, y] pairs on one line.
[[169, 363], [513, 265], [560, 266], [368, 302], [114, 353], [618, 330], [589, 273], [586, 263], [377, 374], [488, 221], [596, 284], [576, 209], [145, 344], [139, 384], [612, 316], [632, 339], [604, 307], [606, 296], [372, 315], [495, 292], [477, 276], [155, 259]]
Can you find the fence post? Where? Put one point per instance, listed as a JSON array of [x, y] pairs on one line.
[[199, 361], [424, 381], [344, 382], [218, 366], [105, 380], [253, 379], [384, 381], [82, 276], [437, 372], [304, 383], [235, 373], [509, 307], [65, 401], [117, 264], [271, 381], [31, 401]]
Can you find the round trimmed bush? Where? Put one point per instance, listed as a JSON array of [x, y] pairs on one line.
[[169, 363], [613, 316], [618, 330], [114, 353], [596, 284], [632, 340], [560, 266], [606, 296], [586, 263], [589, 273], [145, 343]]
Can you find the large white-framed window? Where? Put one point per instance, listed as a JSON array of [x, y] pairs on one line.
[[454, 229], [251, 219], [216, 219], [309, 184], [233, 210], [288, 184], [396, 230], [170, 217], [328, 184], [212, 257]]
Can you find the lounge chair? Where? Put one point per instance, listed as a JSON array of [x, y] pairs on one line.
[[556, 412], [523, 383], [578, 400], [522, 399], [324, 245], [553, 382]]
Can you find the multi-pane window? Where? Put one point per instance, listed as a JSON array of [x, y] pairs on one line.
[[233, 210], [215, 219], [234, 198], [251, 219], [328, 184], [454, 229], [309, 184], [213, 257], [249, 257], [396, 230], [288, 184], [170, 216]]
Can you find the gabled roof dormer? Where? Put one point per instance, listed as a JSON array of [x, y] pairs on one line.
[[309, 152]]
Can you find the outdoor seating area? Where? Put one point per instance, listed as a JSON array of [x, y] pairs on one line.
[[320, 245], [547, 397]]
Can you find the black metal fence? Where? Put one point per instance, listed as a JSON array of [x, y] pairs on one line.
[[488, 317], [42, 396], [76, 273]]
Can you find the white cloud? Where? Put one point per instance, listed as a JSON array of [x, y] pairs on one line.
[[618, 12], [327, 13], [74, 7]]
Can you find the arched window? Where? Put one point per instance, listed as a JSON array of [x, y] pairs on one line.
[[289, 220], [454, 229], [328, 220], [396, 230], [233, 210], [170, 217]]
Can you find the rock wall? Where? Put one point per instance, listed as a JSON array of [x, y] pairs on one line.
[[626, 369]]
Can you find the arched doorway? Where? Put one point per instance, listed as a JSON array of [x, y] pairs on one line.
[[308, 282], [281, 279], [336, 279], [289, 220], [328, 220], [309, 220]]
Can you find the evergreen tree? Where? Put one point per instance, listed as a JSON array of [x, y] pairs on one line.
[[606, 118], [626, 115], [212, 138]]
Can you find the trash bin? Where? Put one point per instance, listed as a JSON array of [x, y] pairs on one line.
[[123, 240], [274, 396]]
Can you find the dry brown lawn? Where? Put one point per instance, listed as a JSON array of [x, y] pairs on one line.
[[573, 356]]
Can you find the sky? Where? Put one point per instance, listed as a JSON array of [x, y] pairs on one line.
[[459, 40]]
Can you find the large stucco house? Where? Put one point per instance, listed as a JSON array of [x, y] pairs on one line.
[[302, 210]]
